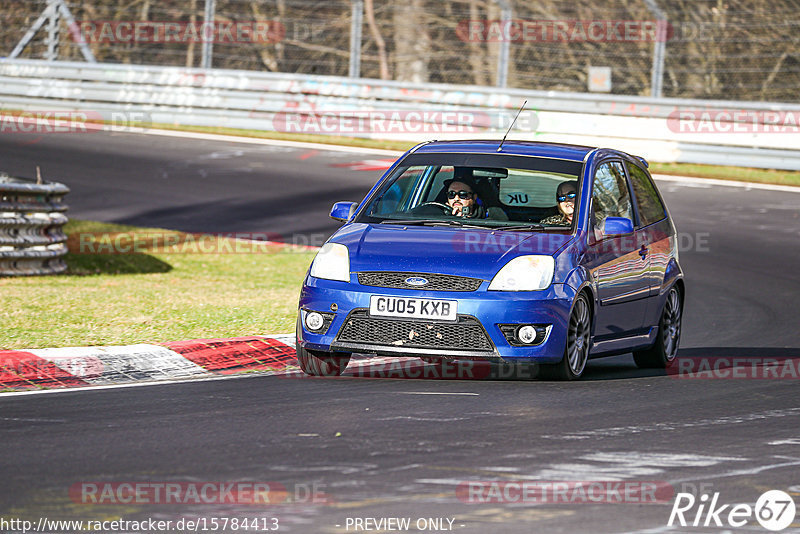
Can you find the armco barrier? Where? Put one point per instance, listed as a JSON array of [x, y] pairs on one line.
[[741, 133], [32, 239]]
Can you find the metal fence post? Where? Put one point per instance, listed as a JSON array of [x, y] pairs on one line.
[[502, 63], [659, 50], [50, 15], [355, 38], [53, 22], [208, 44], [76, 32]]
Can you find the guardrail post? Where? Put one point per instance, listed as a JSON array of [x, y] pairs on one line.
[[208, 44], [502, 64], [659, 50], [355, 38], [32, 239]]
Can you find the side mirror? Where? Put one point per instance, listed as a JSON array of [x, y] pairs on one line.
[[617, 226], [343, 211]]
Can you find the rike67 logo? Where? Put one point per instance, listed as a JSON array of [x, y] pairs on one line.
[[774, 510]]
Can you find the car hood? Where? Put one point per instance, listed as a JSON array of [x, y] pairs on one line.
[[474, 253]]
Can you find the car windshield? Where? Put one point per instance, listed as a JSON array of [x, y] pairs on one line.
[[497, 191]]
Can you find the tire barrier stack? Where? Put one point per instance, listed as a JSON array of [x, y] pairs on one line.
[[32, 219]]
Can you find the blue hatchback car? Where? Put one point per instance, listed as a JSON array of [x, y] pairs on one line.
[[518, 251]]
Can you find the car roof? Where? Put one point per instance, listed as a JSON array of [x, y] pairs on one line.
[[527, 148]]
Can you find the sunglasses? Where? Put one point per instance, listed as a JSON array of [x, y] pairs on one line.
[[568, 196], [463, 195]]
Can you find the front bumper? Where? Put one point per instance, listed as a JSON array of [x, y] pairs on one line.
[[486, 309]]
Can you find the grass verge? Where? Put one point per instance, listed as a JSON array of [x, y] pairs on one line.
[[739, 174], [134, 285]]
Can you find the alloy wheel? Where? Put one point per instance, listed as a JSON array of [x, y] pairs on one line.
[[671, 324], [578, 336]]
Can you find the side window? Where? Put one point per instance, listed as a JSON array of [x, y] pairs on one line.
[[437, 185], [395, 198], [610, 197], [650, 207]]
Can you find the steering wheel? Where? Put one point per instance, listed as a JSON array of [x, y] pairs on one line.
[[448, 210]]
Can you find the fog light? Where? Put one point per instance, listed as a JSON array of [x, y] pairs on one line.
[[526, 334], [314, 321]]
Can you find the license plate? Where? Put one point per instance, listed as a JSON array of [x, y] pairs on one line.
[[442, 310]]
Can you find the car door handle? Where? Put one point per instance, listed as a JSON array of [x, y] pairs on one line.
[[643, 251]]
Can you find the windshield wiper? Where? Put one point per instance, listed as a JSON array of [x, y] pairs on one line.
[[433, 222], [521, 227], [409, 221]]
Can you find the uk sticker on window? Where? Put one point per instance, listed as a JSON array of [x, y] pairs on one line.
[[414, 308]]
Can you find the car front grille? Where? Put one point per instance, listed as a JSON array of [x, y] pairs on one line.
[[436, 282], [464, 334]]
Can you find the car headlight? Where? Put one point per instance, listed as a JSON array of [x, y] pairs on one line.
[[332, 262], [524, 273]]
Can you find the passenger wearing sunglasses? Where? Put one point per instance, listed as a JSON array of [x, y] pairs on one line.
[[566, 195]]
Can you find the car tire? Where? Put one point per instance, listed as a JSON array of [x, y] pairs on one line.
[[320, 363], [576, 350], [317, 363], [663, 352]]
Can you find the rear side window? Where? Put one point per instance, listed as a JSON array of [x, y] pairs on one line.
[[651, 209], [610, 195]]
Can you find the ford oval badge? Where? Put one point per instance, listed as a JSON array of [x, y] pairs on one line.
[[416, 281]]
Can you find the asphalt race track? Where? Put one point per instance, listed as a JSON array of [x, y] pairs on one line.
[[356, 448], [191, 185]]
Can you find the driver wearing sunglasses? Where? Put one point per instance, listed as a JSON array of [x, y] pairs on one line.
[[566, 195], [462, 199]]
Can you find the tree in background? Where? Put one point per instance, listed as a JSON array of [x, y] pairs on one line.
[[717, 49]]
